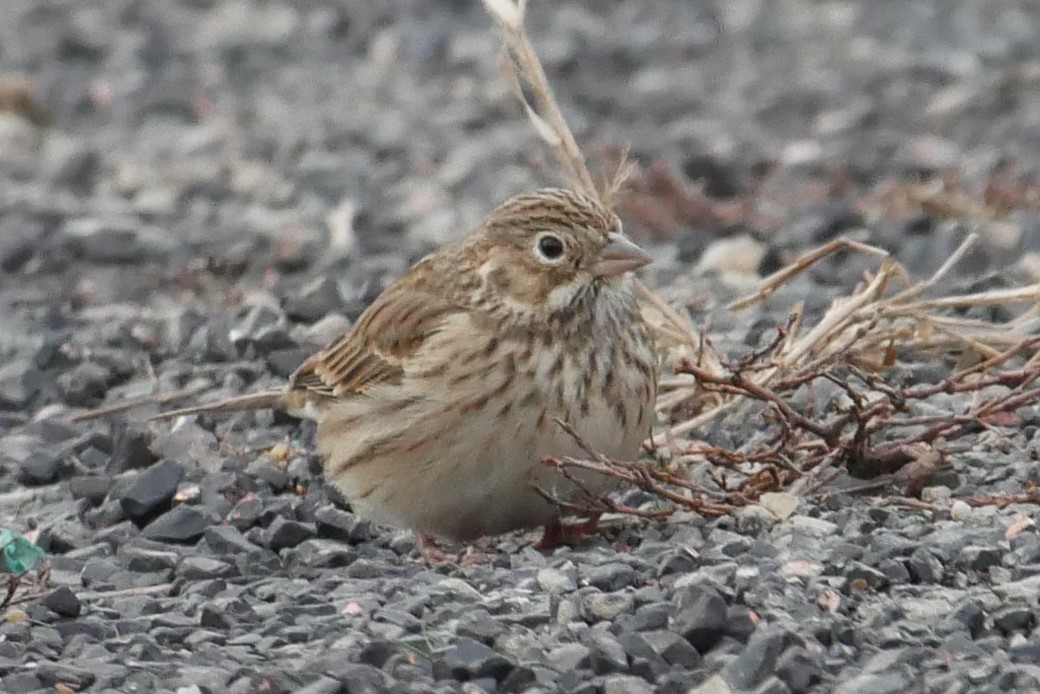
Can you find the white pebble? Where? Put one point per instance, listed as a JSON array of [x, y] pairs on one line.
[[959, 510]]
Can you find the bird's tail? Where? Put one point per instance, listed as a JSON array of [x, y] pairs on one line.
[[272, 399]]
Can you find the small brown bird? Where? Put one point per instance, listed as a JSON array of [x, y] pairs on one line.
[[436, 408]]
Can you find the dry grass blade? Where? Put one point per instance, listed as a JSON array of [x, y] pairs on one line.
[[547, 118], [132, 403], [613, 184], [785, 274]]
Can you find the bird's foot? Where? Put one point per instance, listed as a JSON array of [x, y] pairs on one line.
[[432, 553], [557, 533]]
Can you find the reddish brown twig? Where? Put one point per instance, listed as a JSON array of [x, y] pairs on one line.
[[876, 430]]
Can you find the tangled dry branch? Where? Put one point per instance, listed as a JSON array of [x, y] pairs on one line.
[[817, 418]]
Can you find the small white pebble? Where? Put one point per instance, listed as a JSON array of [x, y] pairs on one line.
[[780, 504], [959, 510], [459, 588], [738, 254], [555, 581], [568, 611], [935, 495]]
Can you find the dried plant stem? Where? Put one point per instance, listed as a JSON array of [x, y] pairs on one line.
[[131, 403], [785, 274], [548, 120]]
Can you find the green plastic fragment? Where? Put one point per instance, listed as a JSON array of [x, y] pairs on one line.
[[18, 553]]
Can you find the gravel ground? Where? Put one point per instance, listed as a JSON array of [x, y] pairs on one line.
[[224, 184]]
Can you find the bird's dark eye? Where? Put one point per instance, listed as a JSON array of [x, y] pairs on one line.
[[550, 247]]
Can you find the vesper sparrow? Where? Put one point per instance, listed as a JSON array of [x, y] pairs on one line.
[[436, 407]]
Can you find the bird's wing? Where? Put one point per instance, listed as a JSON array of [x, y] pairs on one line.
[[374, 350]]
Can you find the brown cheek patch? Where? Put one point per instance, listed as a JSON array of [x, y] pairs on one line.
[[535, 290], [500, 279]]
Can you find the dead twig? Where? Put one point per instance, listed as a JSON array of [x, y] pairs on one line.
[[131, 403]]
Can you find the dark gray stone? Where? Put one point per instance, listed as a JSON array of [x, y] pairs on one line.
[[180, 524], [979, 558], [53, 673], [648, 617], [1026, 652], [334, 523], [78, 170], [859, 577], [131, 449], [15, 377], [271, 472], [228, 540], [360, 679], [39, 467], [284, 533], [263, 328], [470, 659], [63, 602], [568, 657], [1014, 618], [91, 488], [246, 512], [739, 624], [611, 576], [314, 300], [673, 648], [203, 568], [704, 622], [799, 669], [146, 560], [606, 654], [758, 660], [101, 241], [152, 491], [924, 567], [646, 654], [895, 571], [84, 385], [518, 680], [317, 553], [481, 626], [970, 616]]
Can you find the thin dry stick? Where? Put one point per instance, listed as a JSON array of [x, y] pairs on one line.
[[994, 297], [131, 403], [785, 274], [921, 287], [548, 120], [127, 592]]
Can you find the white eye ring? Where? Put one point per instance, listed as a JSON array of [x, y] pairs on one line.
[[549, 248]]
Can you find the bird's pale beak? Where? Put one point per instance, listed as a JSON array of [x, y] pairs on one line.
[[618, 256]]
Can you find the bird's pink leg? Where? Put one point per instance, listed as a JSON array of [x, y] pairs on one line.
[[429, 550], [435, 556], [557, 534]]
